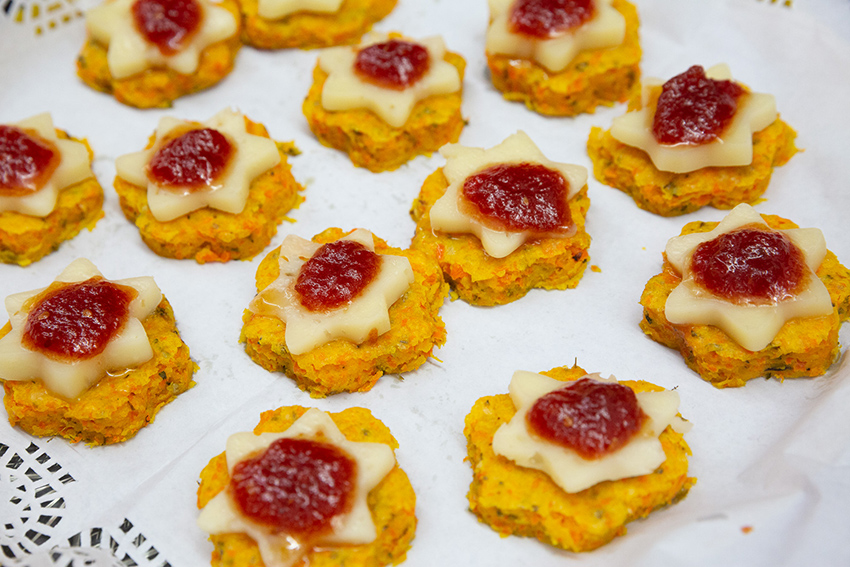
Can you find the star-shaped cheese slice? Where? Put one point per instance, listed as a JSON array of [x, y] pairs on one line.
[[607, 28], [462, 162], [128, 52], [364, 316], [344, 90], [73, 167], [640, 456], [755, 112], [278, 9], [753, 326], [128, 348], [374, 461], [253, 156]]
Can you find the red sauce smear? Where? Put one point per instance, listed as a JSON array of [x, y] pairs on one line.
[[77, 321], [26, 161], [192, 161], [393, 64], [544, 19], [590, 417], [693, 109], [520, 197], [295, 486], [749, 265], [168, 24], [336, 274]]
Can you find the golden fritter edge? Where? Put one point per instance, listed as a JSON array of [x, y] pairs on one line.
[[210, 235], [308, 30], [478, 278], [158, 87], [118, 406], [342, 366], [25, 239], [392, 503], [593, 78], [515, 500], [375, 145], [804, 347]]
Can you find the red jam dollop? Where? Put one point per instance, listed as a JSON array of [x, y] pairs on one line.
[[191, 161], [26, 161], [295, 486], [590, 417], [522, 196], [545, 19], [168, 24], [77, 321], [749, 265], [336, 274], [693, 109], [392, 64]]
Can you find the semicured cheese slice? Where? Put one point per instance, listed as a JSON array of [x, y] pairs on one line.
[[344, 90], [640, 456], [756, 111], [607, 28], [128, 348], [374, 462], [365, 316]]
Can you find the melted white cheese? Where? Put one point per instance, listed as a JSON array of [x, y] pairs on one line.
[[374, 461], [129, 347], [344, 90], [253, 155], [755, 112], [640, 456], [753, 326], [462, 162], [73, 167], [365, 316], [607, 28], [128, 52], [278, 9]]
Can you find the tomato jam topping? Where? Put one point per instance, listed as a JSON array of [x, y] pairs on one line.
[[296, 486], [393, 64], [522, 196], [693, 109], [191, 161], [545, 19], [749, 265], [77, 320], [26, 161], [590, 417], [168, 24], [336, 274]]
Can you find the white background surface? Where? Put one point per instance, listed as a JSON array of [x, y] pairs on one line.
[[772, 456]]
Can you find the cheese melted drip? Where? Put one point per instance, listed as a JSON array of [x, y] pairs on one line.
[[128, 52], [374, 461], [279, 9], [345, 90], [751, 325], [73, 168], [362, 318], [641, 455], [128, 348], [447, 214], [252, 156], [734, 147], [606, 28]]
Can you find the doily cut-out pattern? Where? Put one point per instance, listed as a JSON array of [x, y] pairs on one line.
[[126, 543], [31, 485], [43, 15], [33, 511]]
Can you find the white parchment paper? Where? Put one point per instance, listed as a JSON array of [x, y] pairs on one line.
[[772, 459]]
